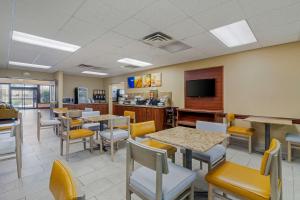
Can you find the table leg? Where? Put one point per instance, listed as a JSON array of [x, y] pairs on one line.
[[18, 150], [267, 135], [188, 158]]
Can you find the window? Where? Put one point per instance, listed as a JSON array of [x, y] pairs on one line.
[[45, 94], [4, 93]]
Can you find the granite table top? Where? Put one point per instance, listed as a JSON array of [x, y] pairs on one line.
[[270, 120], [189, 138], [100, 118]]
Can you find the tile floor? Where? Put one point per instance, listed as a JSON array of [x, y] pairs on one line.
[[97, 175]]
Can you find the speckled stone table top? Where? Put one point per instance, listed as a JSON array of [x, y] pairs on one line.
[[189, 138], [100, 118]]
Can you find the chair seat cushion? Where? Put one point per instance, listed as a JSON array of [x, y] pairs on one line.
[[292, 137], [236, 130], [80, 133], [173, 184], [122, 127], [5, 128], [91, 126], [159, 145], [50, 122], [76, 122], [118, 134], [213, 155], [240, 180]]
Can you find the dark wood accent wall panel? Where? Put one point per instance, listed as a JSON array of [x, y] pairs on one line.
[[206, 103]]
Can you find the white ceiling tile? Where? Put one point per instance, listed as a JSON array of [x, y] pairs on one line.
[[279, 39], [160, 14], [223, 14], [257, 7], [135, 29], [203, 39], [22, 52], [113, 39], [194, 7], [100, 14], [50, 57], [5, 21], [128, 7], [79, 32], [183, 29]]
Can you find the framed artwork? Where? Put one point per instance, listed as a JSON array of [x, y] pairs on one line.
[[156, 79], [138, 81], [146, 80], [130, 82]]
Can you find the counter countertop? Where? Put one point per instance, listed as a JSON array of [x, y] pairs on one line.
[[84, 103], [142, 106]]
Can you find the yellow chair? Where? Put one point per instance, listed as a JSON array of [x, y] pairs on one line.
[[247, 183], [76, 135], [62, 185], [131, 115], [239, 132], [143, 128]]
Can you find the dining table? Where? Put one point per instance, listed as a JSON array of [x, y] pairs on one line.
[[15, 132], [267, 121], [189, 139]]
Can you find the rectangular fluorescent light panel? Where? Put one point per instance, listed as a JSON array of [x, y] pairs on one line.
[[44, 42], [134, 62], [20, 64], [235, 34], [94, 73]]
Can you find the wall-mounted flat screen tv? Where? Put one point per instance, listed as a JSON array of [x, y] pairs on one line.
[[201, 88]]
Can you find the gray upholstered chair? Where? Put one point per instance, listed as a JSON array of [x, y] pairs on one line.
[[47, 123], [215, 155], [115, 135], [92, 126], [157, 179], [293, 142]]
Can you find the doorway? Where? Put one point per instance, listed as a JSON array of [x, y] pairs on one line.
[[23, 96]]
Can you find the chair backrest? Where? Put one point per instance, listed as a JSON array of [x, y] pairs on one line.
[[62, 185], [141, 129], [152, 158], [211, 126], [271, 165], [230, 117], [120, 121], [74, 113], [88, 109], [131, 114], [90, 113], [66, 122]]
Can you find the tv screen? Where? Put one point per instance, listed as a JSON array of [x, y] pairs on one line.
[[201, 88]]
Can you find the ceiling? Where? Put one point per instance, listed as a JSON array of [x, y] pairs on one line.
[[108, 30]]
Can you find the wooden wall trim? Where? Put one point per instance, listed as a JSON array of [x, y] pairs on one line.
[[205, 103]]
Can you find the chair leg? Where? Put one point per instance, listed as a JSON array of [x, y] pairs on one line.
[[67, 149], [250, 144], [38, 132], [183, 160], [61, 146], [289, 151], [91, 144], [201, 166], [173, 158], [191, 196], [112, 150], [128, 195], [210, 192], [84, 143]]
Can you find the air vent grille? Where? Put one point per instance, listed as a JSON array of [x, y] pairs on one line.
[[91, 67], [130, 67], [158, 39]]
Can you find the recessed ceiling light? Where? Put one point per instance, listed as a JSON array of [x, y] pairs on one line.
[[94, 73], [134, 62], [20, 64], [44, 42], [235, 34]]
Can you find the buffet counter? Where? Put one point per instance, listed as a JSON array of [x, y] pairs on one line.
[[144, 113], [102, 107]]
